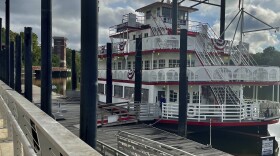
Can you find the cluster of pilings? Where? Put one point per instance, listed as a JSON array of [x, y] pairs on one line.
[[11, 60]]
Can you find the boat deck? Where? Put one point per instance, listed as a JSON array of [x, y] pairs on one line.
[[70, 109]]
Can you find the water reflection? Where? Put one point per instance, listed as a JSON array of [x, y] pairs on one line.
[[62, 84]]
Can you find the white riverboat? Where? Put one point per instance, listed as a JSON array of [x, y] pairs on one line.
[[217, 70]]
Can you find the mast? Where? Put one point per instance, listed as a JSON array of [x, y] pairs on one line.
[[241, 31]]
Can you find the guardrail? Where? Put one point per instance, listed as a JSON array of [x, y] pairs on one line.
[[132, 144], [204, 73], [107, 150], [124, 112], [34, 132], [204, 111]]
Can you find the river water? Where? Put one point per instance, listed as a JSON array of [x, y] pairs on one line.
[[240, 145]]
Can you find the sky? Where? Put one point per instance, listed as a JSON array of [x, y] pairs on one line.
[[66, 18]]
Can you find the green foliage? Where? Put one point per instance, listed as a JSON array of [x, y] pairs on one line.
[[36, 51], [270, 56], [55, 60]]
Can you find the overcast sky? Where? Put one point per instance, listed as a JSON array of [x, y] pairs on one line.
[[66, 18]]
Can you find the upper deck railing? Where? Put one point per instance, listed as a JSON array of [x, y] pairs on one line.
[[229, 73], [34, 132]]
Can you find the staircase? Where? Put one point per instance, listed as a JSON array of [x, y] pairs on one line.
[[240, 55], [208, 56]]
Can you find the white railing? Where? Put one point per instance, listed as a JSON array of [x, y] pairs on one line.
[[205, 73], [34, 132], [223, 113], [150, 43]]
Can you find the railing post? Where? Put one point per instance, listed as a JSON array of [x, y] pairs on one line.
[[16, 144]]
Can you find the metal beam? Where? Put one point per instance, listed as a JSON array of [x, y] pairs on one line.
[[183, 85], [46, 56], [74, 71], [138, 71], [174, 17], [256, 30], [222, 19], [109, 85], [197, 4], [204, 2], [7, 46], [89, 75], [28, 63], [18, 64]]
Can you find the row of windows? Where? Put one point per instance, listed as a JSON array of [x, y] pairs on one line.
[[173, 97], [158, 64], [127, 93]]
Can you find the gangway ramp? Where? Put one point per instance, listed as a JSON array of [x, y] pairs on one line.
[[142, 139]]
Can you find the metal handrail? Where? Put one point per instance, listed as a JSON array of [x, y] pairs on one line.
[[49, 132], [140, 139], [105, 149], [25, 143], [203, 111]]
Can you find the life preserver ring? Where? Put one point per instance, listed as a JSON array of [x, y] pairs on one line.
[[121, 45], [219, 44], [191, 111], [130, 74]]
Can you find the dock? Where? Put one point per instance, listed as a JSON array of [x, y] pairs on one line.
[[124, 136]]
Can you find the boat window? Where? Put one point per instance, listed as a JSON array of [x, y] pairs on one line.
[[148, 14], [118, 91], [190, 63], [158, 11], [128, 92], [134, 36], [161, 64], [173, 96], [146, 35], [119, 65], [147, 65], [101, 88], [145, 95], [181, 15], [174, 63], [155, 64], [114, 66], [195, 97], [129, 65], [166, 12]]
